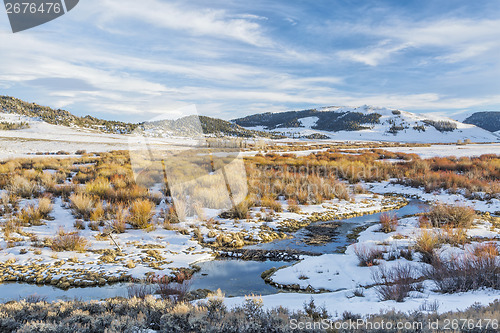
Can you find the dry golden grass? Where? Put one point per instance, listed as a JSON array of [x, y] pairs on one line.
[[456, 216], [68, 241], [293, 206], [426, 243], [82, 205], [98, 212], [100, 187], [141, 213], [271, 203], [121, 215], [23, 187], [12, 225], [489, 250], [45, 206], [454, 236], [30, 215]]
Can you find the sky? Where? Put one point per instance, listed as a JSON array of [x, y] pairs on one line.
[[133, 60]]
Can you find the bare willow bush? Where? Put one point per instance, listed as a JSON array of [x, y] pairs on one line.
[[388, 222], [395, 283], [465, 272], [367, 255]]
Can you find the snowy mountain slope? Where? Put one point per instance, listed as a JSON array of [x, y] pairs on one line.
[[42, 137], [368, 123]]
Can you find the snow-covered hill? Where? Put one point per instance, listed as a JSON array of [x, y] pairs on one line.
[[41, 137], [367, 123]]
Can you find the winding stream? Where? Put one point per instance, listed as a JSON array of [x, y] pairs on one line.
[[234, 277]]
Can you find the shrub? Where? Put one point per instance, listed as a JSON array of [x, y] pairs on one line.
[[94, 226], [98, 212], [426, 244], [456, 216], [120, 218], [68, 241], [341, 191], [359, 189], [315, 312], [82, 205], [367, 256], [180, 208], [141, 213], [388, 222], [170, 217], [239, 211], [8, 203], [79, 224], [394, 283], [466, 272], [100, 187], [10, 226], [215, 305], [485, 250], [140, 290], [423, 222], [270, 202], [30, 215], [293, 206], [454, 236], [174, 289], [23, 187], [45, 207]]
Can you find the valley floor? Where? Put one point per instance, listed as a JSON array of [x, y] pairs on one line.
[[339, 282]]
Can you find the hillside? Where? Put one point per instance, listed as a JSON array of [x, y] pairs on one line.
[[366, 123], [61, 117], [166, 128], [338, 123], [194, 125], [488, 120]]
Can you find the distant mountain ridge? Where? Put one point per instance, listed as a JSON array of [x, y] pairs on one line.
[[488, 120], [327, 120], [365, 123]]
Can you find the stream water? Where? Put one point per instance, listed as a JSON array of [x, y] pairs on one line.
[[233, 276]]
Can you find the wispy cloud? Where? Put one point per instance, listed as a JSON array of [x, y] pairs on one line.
[[130, 59], [456, 39], [181, 16]]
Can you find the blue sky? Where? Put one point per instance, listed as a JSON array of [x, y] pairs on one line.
[[131, 60]]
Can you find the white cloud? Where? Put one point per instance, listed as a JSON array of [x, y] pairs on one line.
[[455, 39], [199, 22], [372, 56]]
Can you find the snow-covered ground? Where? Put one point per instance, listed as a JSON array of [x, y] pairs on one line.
[[257, 229], [47, 138], [491, 206], [156, 251], [469, 150], [341, 276]]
